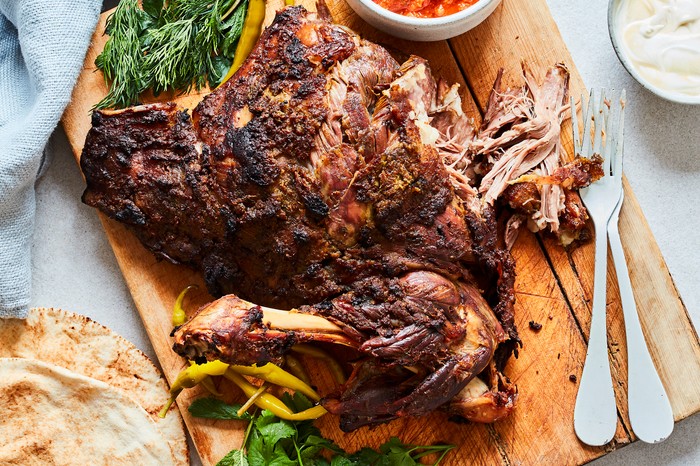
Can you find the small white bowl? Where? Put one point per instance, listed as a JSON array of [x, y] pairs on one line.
[[423, 29], [614, 31]]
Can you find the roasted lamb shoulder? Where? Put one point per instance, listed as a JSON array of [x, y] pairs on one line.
[[327, 179]]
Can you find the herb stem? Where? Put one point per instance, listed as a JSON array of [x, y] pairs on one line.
[[230, 10], [445, 451], [263, 388]]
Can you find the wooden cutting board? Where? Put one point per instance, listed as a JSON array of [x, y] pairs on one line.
[[554, 286]]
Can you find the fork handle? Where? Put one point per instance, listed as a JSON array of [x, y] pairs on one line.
[[650, 411], [595, 414]]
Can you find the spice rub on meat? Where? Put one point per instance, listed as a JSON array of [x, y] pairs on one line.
[[328, 179]]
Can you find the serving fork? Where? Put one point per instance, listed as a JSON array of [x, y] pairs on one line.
[[595, 413]]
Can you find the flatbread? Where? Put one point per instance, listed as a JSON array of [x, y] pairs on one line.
[[81, 345], [50, 415]]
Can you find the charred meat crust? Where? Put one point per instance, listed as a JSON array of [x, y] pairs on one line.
[[252, 162], [142, 168]]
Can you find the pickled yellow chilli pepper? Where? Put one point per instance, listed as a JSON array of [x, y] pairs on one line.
[[333, 365], [272, 403], [179, 316], [208, 383], [252, 26], [278, 376], [190, 377], [194, 374], [199, 373], [164, 410]]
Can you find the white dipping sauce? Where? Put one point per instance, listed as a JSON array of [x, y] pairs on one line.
[[661, 39]]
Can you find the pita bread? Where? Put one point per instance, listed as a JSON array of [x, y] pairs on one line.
[[76, 343], [54, 416]]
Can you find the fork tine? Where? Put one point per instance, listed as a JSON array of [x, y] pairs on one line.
[[601, 120], [574, 125], [598, 123], [619, 139], [614, 144], [611, 146], [609, 151], [586, 146]]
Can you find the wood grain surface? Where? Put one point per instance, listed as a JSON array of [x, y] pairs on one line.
[[554, 286]]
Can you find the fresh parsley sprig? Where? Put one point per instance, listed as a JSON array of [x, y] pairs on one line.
[[168, 47], [270, 440]]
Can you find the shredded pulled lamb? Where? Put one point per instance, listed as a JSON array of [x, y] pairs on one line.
[[519, 152], [328, 180]]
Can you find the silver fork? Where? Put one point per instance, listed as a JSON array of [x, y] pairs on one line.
[[595, 413], [649, 408]]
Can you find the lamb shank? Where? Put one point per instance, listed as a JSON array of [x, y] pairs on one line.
[[327, 179]]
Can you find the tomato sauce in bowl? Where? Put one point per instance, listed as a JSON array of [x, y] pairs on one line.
[[425, 8]]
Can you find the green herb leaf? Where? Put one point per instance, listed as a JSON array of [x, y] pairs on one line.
[[276, 431], [146, 22], [397, 453], [122, 59], [233, 28], [219, 68], [271, 441], [266, 417], [211, 408], [256, 457], [281, 458], [152, 7], [363, 457], [343, 461], [318, 441], [234, 458]]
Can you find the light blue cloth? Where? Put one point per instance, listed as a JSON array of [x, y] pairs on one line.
[[42, 48]]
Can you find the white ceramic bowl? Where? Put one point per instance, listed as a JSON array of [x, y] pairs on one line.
[[423, 29], [615, 36]]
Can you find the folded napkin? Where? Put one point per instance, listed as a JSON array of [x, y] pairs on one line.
[[42, 48]]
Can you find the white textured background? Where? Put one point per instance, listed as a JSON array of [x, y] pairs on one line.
[[74, 267]]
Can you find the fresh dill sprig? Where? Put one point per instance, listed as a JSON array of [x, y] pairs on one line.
[[121, 61], [168, 47], [168, 61]]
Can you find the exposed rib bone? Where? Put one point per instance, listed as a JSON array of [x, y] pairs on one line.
[[239, 332], [293, 320]]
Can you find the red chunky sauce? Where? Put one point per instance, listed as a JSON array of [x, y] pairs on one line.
[[425, 8]]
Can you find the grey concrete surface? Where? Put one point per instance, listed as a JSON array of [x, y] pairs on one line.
[[662, 163], [75, 269]]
